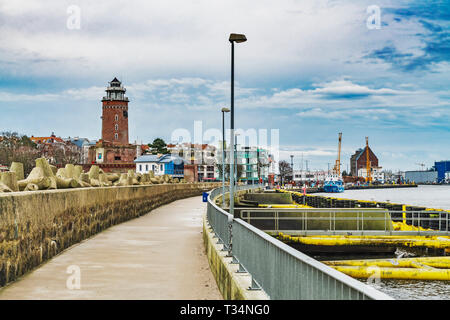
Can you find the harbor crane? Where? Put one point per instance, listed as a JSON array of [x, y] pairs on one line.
[[422, 165], [337, 166], [368, 168]]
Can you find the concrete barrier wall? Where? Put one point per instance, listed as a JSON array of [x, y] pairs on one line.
[[35, 226]]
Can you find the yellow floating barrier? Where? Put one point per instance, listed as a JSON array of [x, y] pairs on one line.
[[401, 226], [284, 206], [394, 273], [424, 237], [412, 241], [434, 262]]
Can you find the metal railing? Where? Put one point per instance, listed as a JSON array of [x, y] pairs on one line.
[[220, 220], [281, 271], [344, 221]]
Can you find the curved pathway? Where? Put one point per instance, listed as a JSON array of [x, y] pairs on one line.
[[157, 256]]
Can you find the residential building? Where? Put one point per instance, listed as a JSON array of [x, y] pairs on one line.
[[253, 161], [160, 165], [83, 145], [199, 160], [56, 150]]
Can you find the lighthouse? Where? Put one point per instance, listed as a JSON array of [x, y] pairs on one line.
[[113, 152], [115, 114]]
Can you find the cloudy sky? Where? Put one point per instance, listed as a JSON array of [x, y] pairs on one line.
[[310, 68]]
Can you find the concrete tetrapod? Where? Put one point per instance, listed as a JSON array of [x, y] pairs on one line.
[[17, 167], [36, 177], [64, 178], [9, 179], [48, 171]]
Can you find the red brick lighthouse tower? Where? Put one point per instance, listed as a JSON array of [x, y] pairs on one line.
[[115, 114]]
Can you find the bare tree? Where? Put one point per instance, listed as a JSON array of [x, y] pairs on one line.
[[285, 169], [67, 153], [262, 163], [238, 170], [16, 147]]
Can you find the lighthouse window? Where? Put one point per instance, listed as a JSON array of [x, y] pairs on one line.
[[116, 136], [117, 117], [117, 127]]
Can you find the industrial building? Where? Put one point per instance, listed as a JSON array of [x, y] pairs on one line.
[[359, 161], [421, 176], [443, 171]]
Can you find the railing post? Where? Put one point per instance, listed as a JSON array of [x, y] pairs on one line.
[[230, 236]]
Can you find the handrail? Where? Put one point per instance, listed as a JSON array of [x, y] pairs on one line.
[[281, 271], [358, 215]]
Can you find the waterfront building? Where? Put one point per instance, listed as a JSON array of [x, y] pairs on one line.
[[421, 176], [375, 173], [443, 170], [199, 160], [358, 161], [160, 164], [302, 176], [253, 161]]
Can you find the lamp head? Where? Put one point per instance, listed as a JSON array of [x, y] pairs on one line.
[[225, 110], [237, 37]]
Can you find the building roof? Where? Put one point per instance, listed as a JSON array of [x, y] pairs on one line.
[[51, 139], [361, 151], [80, 142]]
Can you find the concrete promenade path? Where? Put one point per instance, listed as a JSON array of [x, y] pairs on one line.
[[157, 256]]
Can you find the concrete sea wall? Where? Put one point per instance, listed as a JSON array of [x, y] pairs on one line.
[[232, 285], [35, 226]]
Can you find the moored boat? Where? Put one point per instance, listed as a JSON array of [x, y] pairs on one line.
[[334, 184]]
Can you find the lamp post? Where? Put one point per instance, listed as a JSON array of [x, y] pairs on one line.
[[236, 157], [238, 38], [224, 110], [292, 167]]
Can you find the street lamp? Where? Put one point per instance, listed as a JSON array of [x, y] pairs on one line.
[[224, 110], [292, 167], [234, 37], [236, 135]]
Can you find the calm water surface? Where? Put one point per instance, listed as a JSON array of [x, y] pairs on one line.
[[437, 197]]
